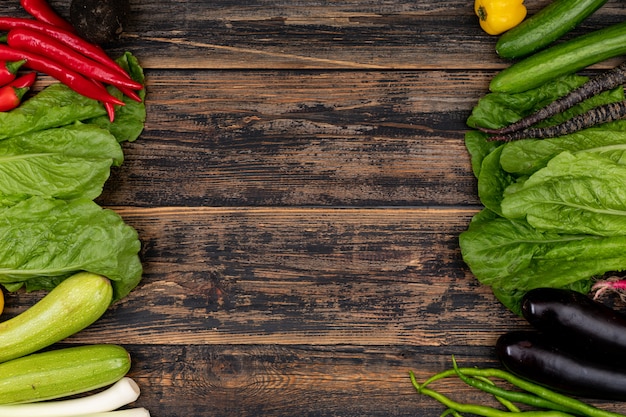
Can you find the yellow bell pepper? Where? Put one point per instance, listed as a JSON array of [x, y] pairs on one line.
[[498, 16]]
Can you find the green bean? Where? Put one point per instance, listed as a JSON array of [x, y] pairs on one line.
[[504, 401], [572, 404], [452, 412], [554, 397], [516, 396], [487, 411]]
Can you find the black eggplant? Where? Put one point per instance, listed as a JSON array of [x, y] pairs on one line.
[[532, 356], [577, 323]]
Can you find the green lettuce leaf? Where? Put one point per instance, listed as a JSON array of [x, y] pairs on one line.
[[496, 110], [56, 152], [478, 147], [493, 181], [54, 106], [523, 157], [581, 193], [45, 240], [67, 162], [486, 230], [554, 208], [130, 118], [57, 105], [513, 256]]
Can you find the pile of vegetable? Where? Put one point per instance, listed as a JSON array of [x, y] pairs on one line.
[[548, 148], [57, 149], [49, 45], [574, 351]]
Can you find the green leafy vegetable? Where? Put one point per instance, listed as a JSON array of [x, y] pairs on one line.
[[129, 119], [555, 209], [57, 105], [46, 240], [56, 152], [513, 257], [493, 181], [496, 110], [67, 162], [582, 193], [524, 157]]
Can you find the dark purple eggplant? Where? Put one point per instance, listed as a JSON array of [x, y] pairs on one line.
[[577, 323], [532, 356]]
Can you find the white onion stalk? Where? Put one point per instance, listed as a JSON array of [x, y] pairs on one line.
[[130, 412], [123, 392]]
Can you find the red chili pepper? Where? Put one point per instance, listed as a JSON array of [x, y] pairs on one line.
[[109, 107], [8, 71], [70, 39], [12, 93], [65, 75], [41, 10], [130, 93], [25, 81], [41, 44]]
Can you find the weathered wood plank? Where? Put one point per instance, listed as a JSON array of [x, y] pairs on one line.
[[302, 138], [347, 34], [347, 381], [330, 276], [276, 380]]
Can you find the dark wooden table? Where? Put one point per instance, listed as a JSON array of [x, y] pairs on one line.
[[299, 190]]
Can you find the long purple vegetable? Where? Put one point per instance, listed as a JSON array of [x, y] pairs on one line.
[[598, 115], [603, 82]]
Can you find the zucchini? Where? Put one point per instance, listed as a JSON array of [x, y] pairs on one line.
[[545, 27], [62, 372], [561, 59], [71, 306]]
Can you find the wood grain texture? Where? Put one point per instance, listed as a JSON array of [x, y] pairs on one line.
[[299, 190], [302, 138], [342, 381], [352, 34]]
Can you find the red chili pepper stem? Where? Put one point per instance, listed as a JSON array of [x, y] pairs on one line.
[[41, 44], [14, 66], [71, 78], [42, 11], [8, 70]]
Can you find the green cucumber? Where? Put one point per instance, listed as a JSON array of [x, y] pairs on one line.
[[545, 27], [71, 306], [62, 372], [561, 59]]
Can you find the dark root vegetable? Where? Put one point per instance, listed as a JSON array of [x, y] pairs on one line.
[[100, 21], [598, 115], [603, 82]]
